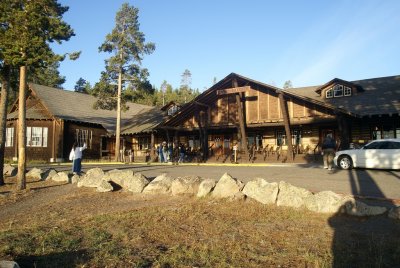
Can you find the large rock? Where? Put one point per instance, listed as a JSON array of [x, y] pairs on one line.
[[292, 196], [104, 186], [60, 177], [227, 187], [35, 173], [325, 202], [48, 174], [185, 185], [137, 183], [394, 213], [205, 187], [119, 176], [160, 185], [93, 178], [76, 178], [8, 264], [262, 191], [357, 208], [9, 170]]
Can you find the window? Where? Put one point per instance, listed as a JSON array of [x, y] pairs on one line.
[[347, 91], [329, 93], [281, 137], [10, 137], [144, 143], [83, 136], [338, 91], [36, 136]]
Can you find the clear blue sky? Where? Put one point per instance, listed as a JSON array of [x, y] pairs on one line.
[[307, 42]]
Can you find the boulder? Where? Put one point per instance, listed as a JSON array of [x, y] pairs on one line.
[[292, 196], [8, 264], [394, 213], [9, 170], [93, 178], [104, 186], [60, 177], [136, 184], [35, 173], [48, 174], [227, 187], [205, 187], [325, 202], [239, 196], [185, 185], [119, 176], [76, 178], [262, 191], [160, 185], [356, 208]]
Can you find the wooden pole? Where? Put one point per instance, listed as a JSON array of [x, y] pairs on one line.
[[241, 115], [152, 144], [21, 179], [285, 115]]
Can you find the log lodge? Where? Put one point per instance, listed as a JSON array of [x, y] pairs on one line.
[[257, 117]]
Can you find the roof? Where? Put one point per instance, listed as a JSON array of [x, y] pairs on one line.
[[379, 96], [78, 107]]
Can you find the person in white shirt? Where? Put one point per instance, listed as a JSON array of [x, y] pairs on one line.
[[76, 157]]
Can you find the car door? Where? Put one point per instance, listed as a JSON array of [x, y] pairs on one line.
[[394, 154], [369, 156]]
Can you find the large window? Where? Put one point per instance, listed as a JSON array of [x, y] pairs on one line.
[[36, 136], [83, 136], [144, 143], [338, 91], [10, 137], [385, 132]]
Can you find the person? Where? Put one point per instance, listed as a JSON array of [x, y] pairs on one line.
[[235, 149], [76, 157], [181, 153], [328, 150], [165, 152]]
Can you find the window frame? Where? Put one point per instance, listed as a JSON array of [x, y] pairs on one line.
[[9, 137], [347, 91], [329, 93], [84, 136], [336, 89], [40, 139]]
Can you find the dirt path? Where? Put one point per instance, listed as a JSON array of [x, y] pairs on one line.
[[51, 201]]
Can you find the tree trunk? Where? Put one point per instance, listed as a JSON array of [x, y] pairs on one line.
[[285, 114], [21, 180], [118, 130], [5, 79]]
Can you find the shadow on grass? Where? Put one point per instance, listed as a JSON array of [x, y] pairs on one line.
[[62, 259], [365, 241]]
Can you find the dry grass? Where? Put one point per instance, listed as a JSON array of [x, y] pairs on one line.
[[188, 232]]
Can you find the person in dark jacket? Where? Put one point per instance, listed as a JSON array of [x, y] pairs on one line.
[[328, 151]]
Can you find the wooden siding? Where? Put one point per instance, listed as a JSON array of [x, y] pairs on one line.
[[69, 138]]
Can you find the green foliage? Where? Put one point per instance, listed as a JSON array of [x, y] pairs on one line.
[[83, 86], [47, 75], [288, 84], [127, 44], [27, 29]]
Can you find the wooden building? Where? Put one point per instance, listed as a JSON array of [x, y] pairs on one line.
[[244, 111], [56, 118], [257, 116]]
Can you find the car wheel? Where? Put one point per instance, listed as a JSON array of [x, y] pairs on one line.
[[345, 162]]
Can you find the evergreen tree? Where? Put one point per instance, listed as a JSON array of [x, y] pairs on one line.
[[47, 75], [288, 84], [127, 43], [27, 28], [82, 86]]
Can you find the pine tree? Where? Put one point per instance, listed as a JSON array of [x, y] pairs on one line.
[[27, 29], [127, 43]]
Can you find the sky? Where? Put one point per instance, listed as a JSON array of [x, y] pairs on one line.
[[307, 42]]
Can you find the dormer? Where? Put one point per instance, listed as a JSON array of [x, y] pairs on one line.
[[337, 88], [171, 108]]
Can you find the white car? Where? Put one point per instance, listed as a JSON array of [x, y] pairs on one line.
[[384, 154]]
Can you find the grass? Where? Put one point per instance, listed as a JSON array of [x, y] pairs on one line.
[[204, 233]]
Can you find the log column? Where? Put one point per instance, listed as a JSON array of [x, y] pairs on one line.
[[241, 115], [285, 114]]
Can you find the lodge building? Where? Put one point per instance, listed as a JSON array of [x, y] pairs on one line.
[[237, 110]]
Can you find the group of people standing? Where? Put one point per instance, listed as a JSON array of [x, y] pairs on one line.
[[168, 153]]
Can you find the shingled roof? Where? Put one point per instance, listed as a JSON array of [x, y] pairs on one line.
[[78, 107], [379, 96]]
